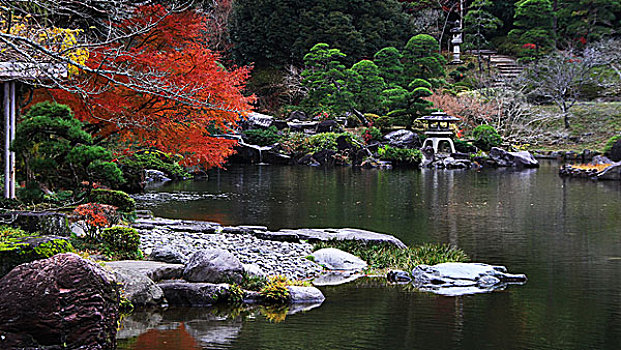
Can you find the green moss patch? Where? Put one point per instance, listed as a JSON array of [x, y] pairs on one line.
[[16, 250]]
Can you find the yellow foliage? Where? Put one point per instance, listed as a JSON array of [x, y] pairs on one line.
[[62, 41]]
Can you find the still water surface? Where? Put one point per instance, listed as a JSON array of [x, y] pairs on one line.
[[564, 234]]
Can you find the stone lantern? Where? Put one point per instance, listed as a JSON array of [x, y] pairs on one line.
[[456, 41], [438, 130]]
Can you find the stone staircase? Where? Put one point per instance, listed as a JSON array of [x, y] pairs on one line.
[[503, 68]]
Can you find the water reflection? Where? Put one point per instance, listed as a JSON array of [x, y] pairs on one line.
[[565, 235], [197, 328]]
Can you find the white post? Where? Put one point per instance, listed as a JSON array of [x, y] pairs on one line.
[[7, 141], [13, 126]]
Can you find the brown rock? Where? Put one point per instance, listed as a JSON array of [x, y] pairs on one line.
[[63, 301]]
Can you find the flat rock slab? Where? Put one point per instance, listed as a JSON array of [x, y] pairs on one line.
[[463, 278], [279, 236], [182, 293], [154, 270], [346, 234]]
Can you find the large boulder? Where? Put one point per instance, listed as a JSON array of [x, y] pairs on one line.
[[403, 139], [166, 254], [328, 126], [182, 293], [136, 279], [336, 259], [521, 159], [213, 266], [60, 302], [44, 223], [304, 295], [463, 278], [16, 251]]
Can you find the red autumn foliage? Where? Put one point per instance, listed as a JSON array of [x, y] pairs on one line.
[[177, 49], [529, 46], [96, 216]]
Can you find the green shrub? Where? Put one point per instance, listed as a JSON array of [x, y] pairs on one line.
[[400, 156], [254, 283], [121, 241], [486, 137], [262, 137], [327, 140], [611, 141], [9, 203], [275, 291], [294, 142], [119, 199], [236, 294], [371, 134], [463, 146], [135, 164]]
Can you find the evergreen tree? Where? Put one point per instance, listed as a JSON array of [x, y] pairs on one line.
[[324, 77], [406, 105], [273, 33], [388, 61], [534, 22], [479, 24], [586, 21], [366, 85], [422, 59]]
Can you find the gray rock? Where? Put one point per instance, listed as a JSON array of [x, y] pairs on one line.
[[152, 175], [398, 276], [403, 139], [138, 288], [214, 266], [154, 270], [253, 270], [463, 278], [166, 254], [77, 228], [521, 159], [182, 293], [300, 295], [336, 259]]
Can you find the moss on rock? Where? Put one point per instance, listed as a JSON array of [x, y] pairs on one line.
[[19, 250]]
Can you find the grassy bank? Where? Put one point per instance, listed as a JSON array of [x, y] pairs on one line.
[[382, 257], [592, 124]]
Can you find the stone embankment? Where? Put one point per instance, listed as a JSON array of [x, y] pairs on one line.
[[261, 251]]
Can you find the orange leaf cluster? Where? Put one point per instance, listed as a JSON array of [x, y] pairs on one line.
[[203, 97]]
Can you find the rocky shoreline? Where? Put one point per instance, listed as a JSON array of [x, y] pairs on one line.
[[262, 252]]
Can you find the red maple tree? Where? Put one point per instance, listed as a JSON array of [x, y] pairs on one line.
[[202, 97]]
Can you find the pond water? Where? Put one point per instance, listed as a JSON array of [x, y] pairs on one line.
[[565, 235]]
